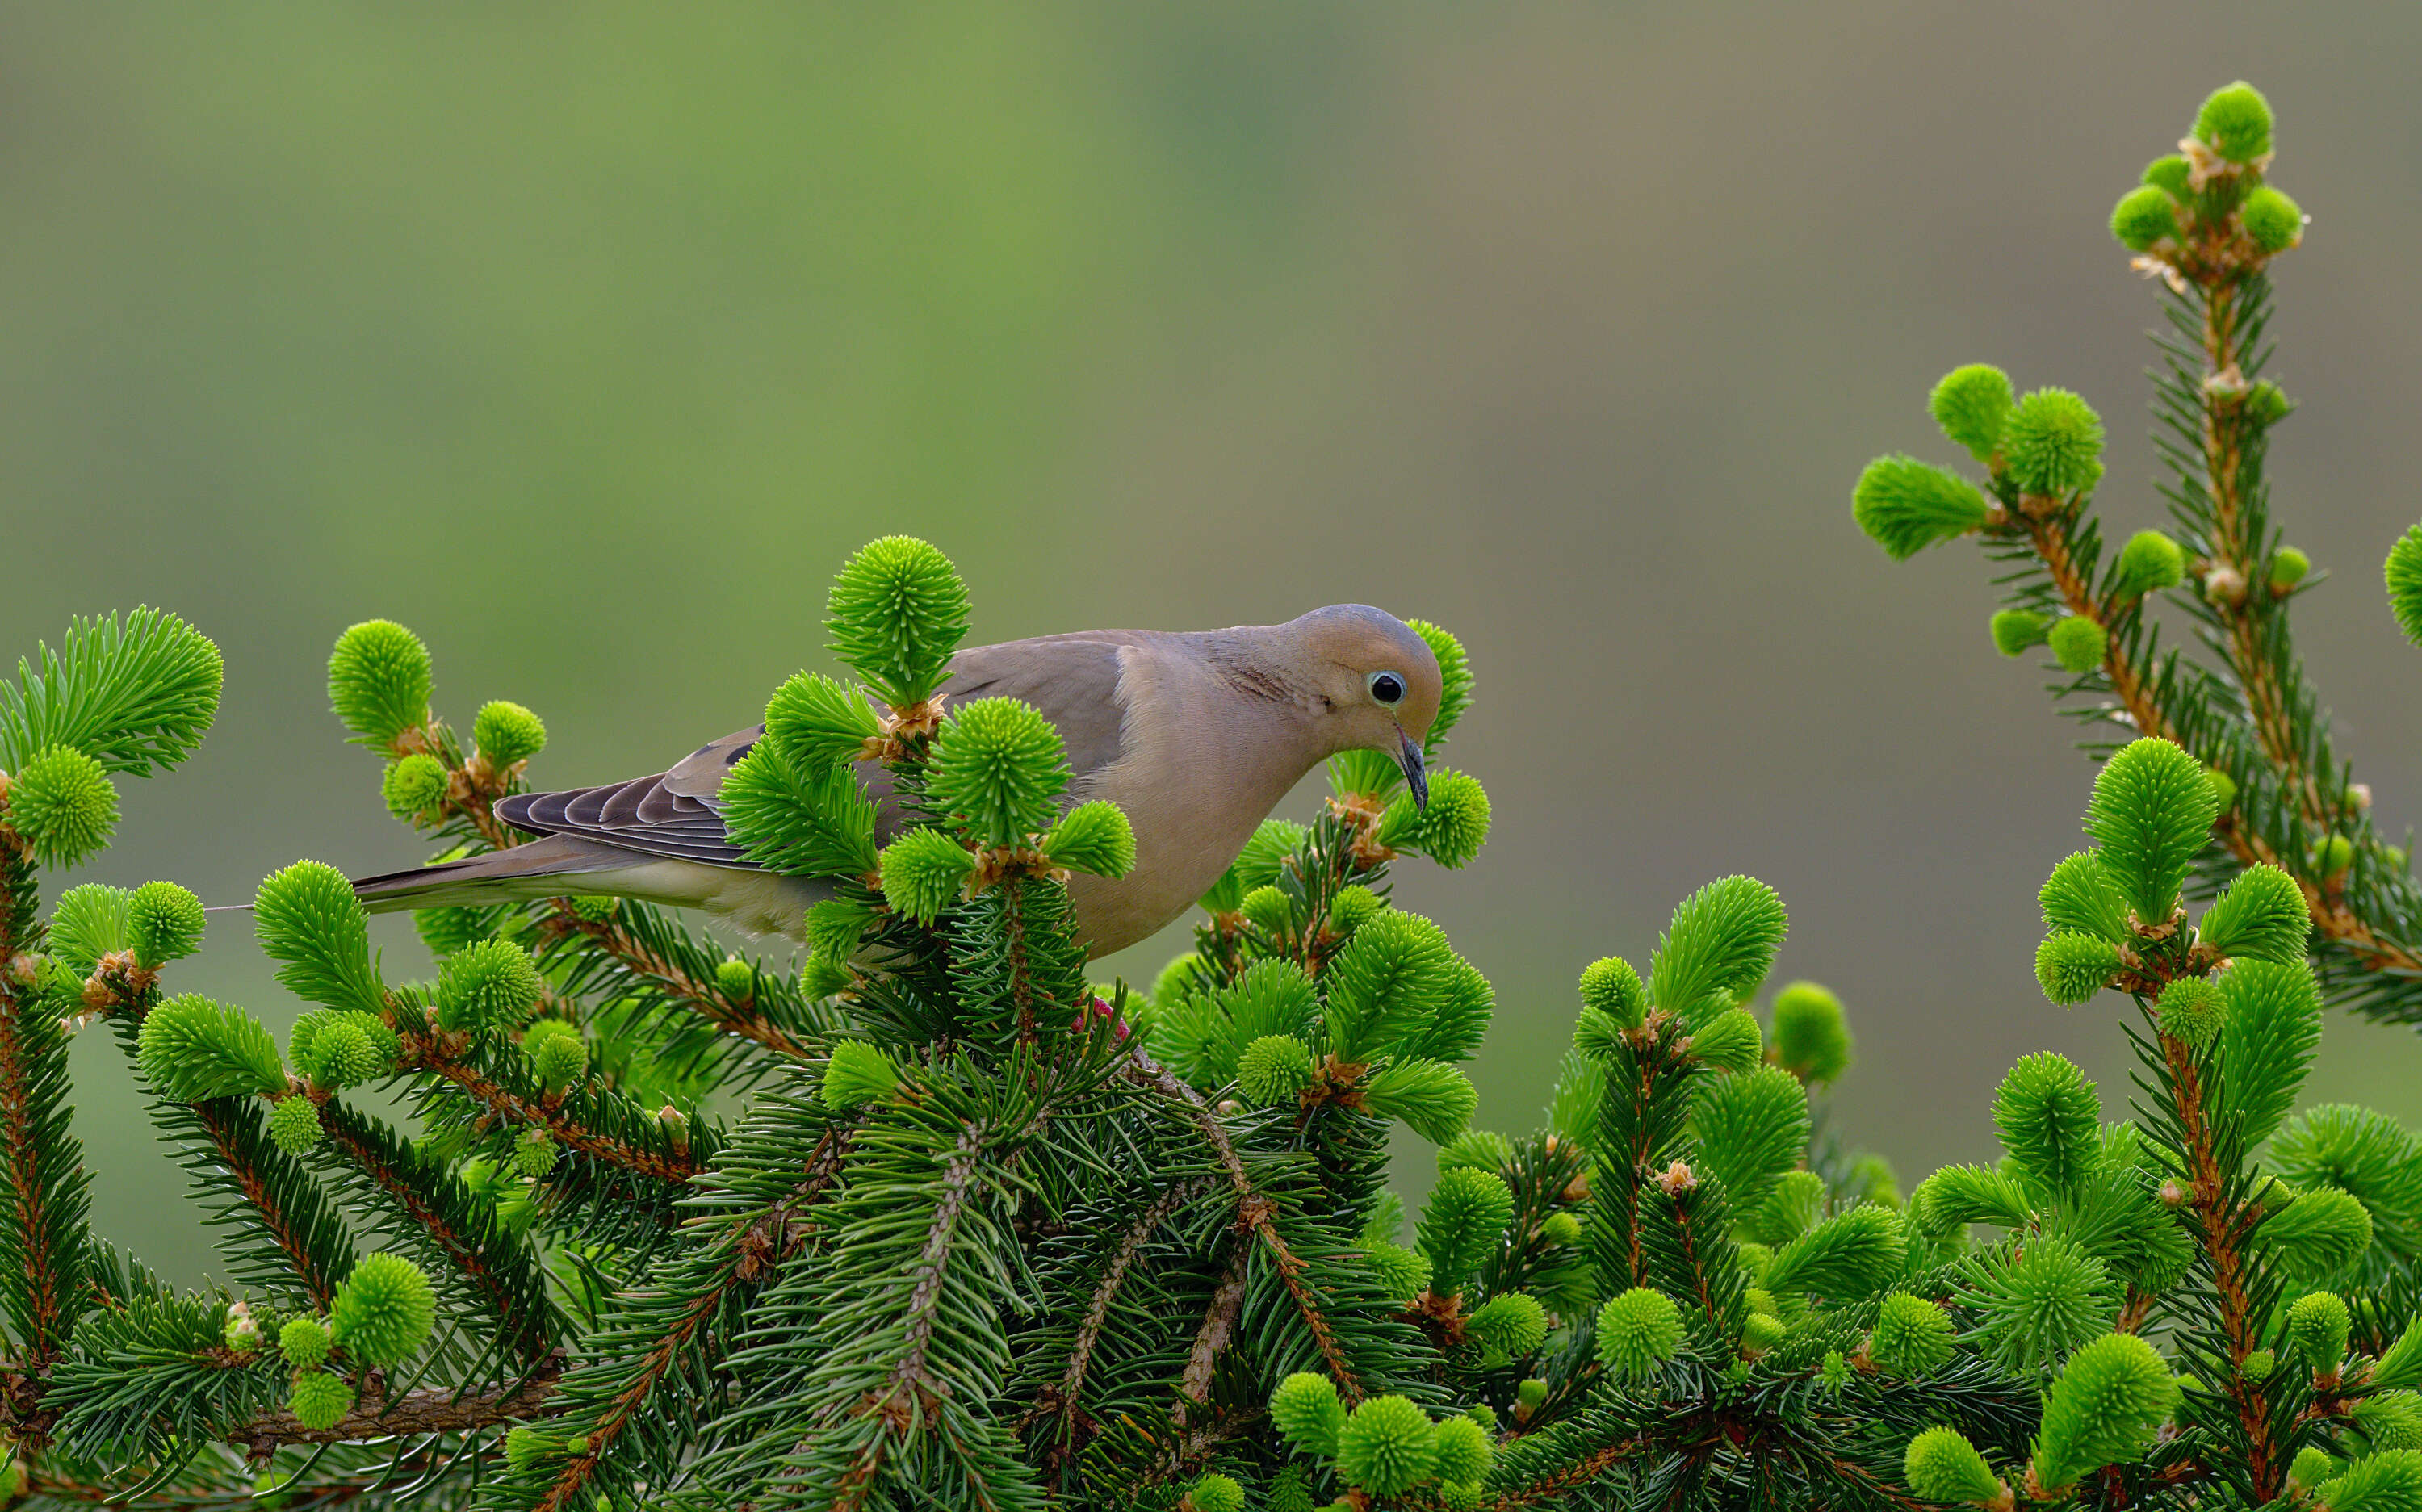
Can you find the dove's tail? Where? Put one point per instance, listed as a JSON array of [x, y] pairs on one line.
[[541, 868], [761, 903]]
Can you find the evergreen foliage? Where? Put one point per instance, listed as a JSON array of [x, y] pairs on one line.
[[929, 1220]]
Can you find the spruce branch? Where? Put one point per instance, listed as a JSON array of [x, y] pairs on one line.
[[430, 1210], [1254, 1214], [42, 1243], [427, 1410]]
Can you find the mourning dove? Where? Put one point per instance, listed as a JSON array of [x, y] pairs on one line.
[[1196, 735]]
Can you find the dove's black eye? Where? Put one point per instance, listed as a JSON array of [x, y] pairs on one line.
[[1387, 689]]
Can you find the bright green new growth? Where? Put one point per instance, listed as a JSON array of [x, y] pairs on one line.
[[2039, 1304], [1729, 1042], [378, 682], [2170, 174], [1752, 1128], [2271, 1025], [1610, 986], [2403, 570], [61, 802], [487, 987], [294, 1123], [1850, 1254], [1266, 909], [1433, 1099], [303, 1342], [2288, 567], [1515, 1322], [557, 1059], [2152, 812], [1387, 981], [2015, 630], [2148, 562], [2273, 221], [1788, 1211], [1450, 831], [998, 768], [799, 816], [337, 1047], [2052, 444], [192, 1050], [896, 613], [308, 920], [736, 979], [319, 1400], [1215, 1494], [2071, 968], [2078, 898], [164, 923], [1468, 1211], [1387, 1447], [2318, 1323], [1761, 1332], [2144, 217], [2235, 122], [2392, 1419], [2109, 1399], [1812, 1038], [1942, 1466], [1402, 1273], [2258, 1365], [1561, 1228], [2262, 915], [533, 1154], [2319, 1234], [1463, 1452], [858, 1074], [2076, 642], [1353, 907], [923, 873], [2311, 1467], [1912, 1337], [1638, 1332], [136, 698], [2331, 854], [2048, 1116], [413, 785], [1305, 1409], [1971, 404], [384, 1312], [1094, 837], [2192, 1010], [88, 923], [821, 722], [2389, 1481], [1905, 505], [507, 735], [1456, 680], [1718, 949]]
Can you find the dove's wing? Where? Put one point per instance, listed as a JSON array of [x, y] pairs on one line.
[[676, 814]]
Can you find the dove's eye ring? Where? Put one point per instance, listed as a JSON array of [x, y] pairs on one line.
[[1387, 689]]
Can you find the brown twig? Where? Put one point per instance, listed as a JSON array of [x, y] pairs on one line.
[[1253, 1213], [753, 1245], [423, 1051], [434, 1410], [2224, 1228]]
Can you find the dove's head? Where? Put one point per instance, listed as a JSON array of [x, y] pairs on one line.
[[1376, 682]]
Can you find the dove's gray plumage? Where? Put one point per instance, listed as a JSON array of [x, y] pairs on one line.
[[1196, 735]]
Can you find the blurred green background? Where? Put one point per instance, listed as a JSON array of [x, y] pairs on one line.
[[588, 339]]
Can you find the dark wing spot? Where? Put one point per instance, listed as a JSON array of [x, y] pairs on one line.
[[1255, 681], [733, 756]]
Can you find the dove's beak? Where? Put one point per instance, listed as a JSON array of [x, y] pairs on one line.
[[1409, 756]]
